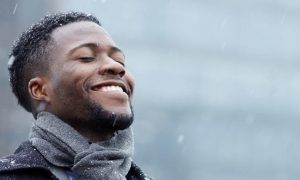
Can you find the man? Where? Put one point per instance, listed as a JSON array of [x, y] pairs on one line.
[[68, 72]]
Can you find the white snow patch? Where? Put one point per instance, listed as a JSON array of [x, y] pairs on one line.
[[11, 61], [4, 160]]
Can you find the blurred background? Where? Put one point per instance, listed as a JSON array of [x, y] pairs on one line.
[[217, 83]]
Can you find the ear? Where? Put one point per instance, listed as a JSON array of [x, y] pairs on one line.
[[37, 88]]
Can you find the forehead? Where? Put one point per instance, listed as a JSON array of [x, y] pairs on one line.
[[74, 34]]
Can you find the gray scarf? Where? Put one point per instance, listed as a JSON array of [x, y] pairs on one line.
[[63, 146]]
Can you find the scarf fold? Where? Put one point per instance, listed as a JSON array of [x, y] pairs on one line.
[[63, 146]]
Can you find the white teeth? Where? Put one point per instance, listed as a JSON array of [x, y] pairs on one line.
[[111, 88], [105, 88]]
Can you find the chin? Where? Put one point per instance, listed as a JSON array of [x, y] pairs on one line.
[[121, 121], [114, 119]]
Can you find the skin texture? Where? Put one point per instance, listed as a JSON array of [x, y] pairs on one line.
[[84, 59]]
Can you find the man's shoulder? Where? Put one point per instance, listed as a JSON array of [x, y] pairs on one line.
[[26, 156], [28, 163], [25, 161]]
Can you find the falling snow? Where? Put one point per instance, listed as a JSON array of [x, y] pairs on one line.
[[224, 44], [180, 139], [283, 18], [16, 6], [223, 24]]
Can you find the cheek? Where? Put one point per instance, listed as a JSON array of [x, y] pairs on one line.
[[68, 84], [74, 74], [130, 81], [68, 94]]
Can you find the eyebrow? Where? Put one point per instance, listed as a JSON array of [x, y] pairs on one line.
[[112, 49]]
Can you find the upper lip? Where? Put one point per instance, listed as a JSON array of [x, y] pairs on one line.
[[112, 83]]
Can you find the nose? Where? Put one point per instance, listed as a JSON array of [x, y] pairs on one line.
[[111, 67]]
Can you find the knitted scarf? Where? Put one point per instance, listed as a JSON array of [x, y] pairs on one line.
[[64, 147]]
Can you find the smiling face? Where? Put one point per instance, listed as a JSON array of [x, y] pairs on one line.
[[88, 83]]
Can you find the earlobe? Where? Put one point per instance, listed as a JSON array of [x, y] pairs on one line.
[[37, 89]]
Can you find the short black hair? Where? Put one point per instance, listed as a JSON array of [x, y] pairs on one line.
[[29, 54]]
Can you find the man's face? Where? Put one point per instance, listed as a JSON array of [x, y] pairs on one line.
[[89, 85]]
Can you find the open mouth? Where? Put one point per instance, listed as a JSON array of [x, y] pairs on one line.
[[110, 87]]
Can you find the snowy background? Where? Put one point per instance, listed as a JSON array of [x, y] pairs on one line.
[[217, 83]]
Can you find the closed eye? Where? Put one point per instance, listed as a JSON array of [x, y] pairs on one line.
[[122, 63], [119, 60], [87, 59]]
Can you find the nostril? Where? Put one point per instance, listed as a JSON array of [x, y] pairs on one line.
[[111, 67], [122, 73], [109, 72]]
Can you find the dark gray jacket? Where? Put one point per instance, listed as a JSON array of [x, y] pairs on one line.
[[28, 163]]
